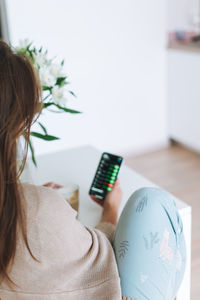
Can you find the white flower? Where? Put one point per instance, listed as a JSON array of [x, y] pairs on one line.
[[40, 59], [23, 44], [46, 78], [58, 95], [56, 70]]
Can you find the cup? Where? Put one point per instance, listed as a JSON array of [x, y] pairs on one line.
[[70, 191]]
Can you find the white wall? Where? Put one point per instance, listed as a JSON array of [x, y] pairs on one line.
[[116, 59], [181, 14], [184, 104]]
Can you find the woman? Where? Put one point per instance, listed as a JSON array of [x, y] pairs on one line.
[[46, 253]]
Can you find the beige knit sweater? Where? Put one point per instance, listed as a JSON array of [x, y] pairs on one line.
[[76, 262]]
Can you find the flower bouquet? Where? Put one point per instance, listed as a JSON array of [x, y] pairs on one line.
[[54, 84]]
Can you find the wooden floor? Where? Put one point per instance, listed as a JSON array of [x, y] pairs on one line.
[[178, 171]]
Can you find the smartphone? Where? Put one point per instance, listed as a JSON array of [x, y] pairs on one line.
[[106, 175]]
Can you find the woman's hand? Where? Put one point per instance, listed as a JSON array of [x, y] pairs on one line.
[[111, 204], [53, 185]]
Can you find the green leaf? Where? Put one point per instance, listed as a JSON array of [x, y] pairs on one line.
[[47, 104], [31, 54], [29, 45], [72, 111], [43, 128], [32, 153], [46, 88], [72, 93], [45, 137], [45, 98], [62, 62], [61, 81]]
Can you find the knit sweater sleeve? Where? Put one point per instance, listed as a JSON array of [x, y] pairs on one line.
[[74, 259], [108, 229]]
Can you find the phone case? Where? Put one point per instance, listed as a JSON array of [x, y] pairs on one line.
[[106, 175]]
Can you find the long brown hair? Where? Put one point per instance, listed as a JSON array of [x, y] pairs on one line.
[[20, 94]]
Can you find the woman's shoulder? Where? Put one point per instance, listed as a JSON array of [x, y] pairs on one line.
[[40, 193], [45, 199], [33, 188]]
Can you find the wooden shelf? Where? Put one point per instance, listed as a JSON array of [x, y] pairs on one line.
[[188, 47]]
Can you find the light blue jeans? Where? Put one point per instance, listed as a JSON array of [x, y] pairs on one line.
[[149, 246]]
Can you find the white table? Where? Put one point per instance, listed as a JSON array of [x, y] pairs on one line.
[[78, 165]]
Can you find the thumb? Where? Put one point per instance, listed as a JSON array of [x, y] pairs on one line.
[[117, 183]]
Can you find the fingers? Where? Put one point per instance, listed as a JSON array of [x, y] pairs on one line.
[[48, 184], [53, 185], [100, 202], [116, 184], [117, 181], [57, 186]]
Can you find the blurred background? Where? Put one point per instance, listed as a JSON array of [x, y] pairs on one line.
[[135, 67]]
